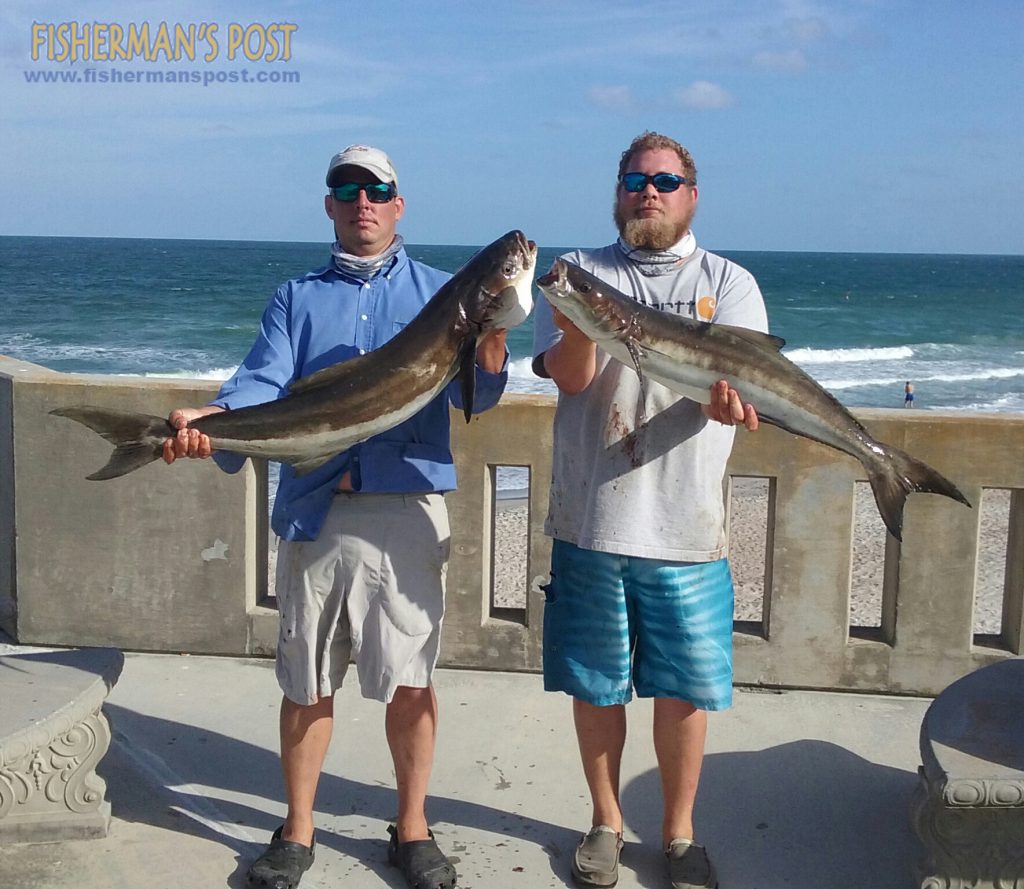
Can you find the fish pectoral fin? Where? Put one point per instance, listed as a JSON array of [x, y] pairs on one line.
[[467, 376], [764, 340], [635, 355]]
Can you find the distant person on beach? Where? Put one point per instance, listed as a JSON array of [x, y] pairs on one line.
[[364, 538], [641, 595], [908, 394]]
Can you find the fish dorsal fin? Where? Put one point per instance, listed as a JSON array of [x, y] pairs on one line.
[[763, 340], [323, 377]]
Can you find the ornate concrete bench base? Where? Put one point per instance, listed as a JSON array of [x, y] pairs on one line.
[[969, 805], [52, 736]]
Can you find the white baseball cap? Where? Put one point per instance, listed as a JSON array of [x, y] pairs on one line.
[[373, 160]]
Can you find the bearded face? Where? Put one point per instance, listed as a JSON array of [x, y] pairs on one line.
[[650, 219]]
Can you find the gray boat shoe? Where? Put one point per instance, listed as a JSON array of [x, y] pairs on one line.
[[689, 866], [595, 862]]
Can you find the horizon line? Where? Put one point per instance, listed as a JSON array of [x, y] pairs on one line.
[[560, 249]]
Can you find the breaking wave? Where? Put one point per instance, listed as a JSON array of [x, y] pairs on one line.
[[831, 356]]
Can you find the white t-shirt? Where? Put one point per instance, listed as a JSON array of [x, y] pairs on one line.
[[645, 482]]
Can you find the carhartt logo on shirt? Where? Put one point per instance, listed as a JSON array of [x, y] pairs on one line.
[[706, 308], [679, 306]]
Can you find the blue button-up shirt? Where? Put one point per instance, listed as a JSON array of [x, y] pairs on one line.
[[326, 317]]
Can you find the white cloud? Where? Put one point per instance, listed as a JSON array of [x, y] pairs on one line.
[[792, 61], [703, 95], [610, 96]]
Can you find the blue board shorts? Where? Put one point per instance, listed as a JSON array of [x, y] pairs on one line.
[[613, 623]]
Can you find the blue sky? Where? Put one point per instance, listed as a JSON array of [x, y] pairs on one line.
[[867, 125]]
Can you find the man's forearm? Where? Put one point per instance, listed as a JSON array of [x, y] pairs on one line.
[[490, 351], [571, 362]]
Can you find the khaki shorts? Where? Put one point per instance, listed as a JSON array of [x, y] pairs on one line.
[[370, 588]]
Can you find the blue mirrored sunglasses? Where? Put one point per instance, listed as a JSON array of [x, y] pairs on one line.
[[663, 182], [376, 192]]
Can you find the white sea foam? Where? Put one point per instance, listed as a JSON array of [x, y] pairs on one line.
[[1011, 402], [46, 353], [989, 373], [832, 356], [946, 375], [217, 373]]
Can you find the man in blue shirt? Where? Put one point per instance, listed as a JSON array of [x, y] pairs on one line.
[[364, 538]]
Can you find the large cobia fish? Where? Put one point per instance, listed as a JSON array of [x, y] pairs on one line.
[[689, 356], [348, 402]]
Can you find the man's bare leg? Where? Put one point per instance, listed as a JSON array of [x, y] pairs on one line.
[[679, 733], [411, 727], [601, 733], [305, 736]]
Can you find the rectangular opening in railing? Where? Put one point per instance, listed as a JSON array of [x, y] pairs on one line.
[[751, 516], [874, 571], [510, 542], [999, 580], [266, 557]]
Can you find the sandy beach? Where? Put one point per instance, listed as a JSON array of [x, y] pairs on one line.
[[749, 508]]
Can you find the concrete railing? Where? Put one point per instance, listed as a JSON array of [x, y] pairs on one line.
[[176, 559]]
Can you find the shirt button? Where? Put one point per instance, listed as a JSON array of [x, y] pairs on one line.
[[364, 317], [362, 351]]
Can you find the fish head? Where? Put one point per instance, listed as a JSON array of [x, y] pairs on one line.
[[503, 293], [584, 300]]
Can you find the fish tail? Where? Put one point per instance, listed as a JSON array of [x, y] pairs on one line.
[[896, 475], [137, 438]]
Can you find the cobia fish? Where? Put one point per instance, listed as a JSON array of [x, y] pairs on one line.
[[689, 356], [334, 408]]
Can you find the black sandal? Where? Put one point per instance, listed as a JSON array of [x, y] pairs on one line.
[[282, 865], [421, 862]]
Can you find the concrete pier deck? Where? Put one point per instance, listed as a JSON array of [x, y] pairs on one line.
[[800, 789]]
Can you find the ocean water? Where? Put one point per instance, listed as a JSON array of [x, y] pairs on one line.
[[860, 324]]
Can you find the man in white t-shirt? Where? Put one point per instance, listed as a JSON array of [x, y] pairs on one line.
[[640, 594]]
